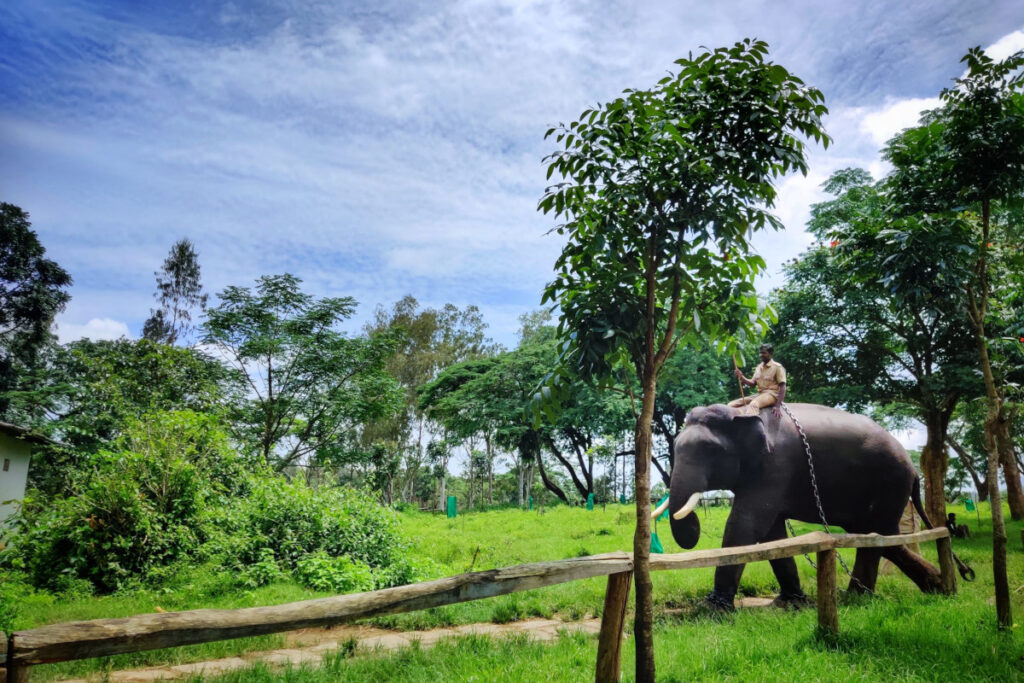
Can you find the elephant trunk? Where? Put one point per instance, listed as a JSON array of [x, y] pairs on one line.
[[683, 500]]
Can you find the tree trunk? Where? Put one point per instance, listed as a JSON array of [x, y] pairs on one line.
[[550, 485], [643, 628], [490, 469], [580, 486], [934, 461], [978, 303], [1007, 458], [519, 488], [980, 484]]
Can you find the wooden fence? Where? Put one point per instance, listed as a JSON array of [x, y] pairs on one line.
[[101, 637]]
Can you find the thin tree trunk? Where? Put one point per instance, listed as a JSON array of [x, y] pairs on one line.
[[978, 303], [1004, 442], [580, 486], [643, 628], [490, 471], [980, 484], [519, 488], [550, 485]]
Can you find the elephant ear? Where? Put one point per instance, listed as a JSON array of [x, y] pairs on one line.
[[752, 440]]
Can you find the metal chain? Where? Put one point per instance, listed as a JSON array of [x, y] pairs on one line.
[[817, 498]]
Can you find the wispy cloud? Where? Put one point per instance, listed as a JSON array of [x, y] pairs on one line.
[[388, 148]]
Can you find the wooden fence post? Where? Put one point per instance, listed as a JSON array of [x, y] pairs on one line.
[[946, 565], [613, 618], [828, 594]]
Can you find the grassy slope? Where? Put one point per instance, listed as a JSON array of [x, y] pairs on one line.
[[901, 634]]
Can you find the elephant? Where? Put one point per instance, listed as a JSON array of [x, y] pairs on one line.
[[863, 474]]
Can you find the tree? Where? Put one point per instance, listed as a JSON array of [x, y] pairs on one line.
[[868, 319], [954, 169], [179, 290], [661, 190], [86, 392], [432, 339], [33, 290], [310, 386]]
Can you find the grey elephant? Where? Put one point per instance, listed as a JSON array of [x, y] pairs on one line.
[[864, 478]]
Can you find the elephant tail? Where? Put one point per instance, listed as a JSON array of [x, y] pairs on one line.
[[915, 497]]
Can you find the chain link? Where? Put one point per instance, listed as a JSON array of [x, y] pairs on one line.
[[817, 499]]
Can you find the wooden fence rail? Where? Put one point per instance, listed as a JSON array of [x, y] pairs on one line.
[[101, 637]]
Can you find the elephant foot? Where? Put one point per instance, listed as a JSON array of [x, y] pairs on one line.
[[719, 602], [792, 602]]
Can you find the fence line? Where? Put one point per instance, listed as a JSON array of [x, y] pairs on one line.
[[101, 637]]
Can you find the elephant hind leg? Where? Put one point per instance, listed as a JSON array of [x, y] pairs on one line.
[[865, 570], [918, 569]]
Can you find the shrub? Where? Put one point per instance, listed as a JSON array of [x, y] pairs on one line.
[[322, 572], [144, 505], [264, 571], [173, 493], [292, 521]]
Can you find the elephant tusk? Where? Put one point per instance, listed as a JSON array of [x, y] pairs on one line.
[[660, 509], [689, 507]]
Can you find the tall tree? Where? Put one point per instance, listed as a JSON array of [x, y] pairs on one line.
[[85, 393], [432, 339], [858, 338], [310, 385], [955, 169], [33, 289], [179, 291], [661, 190]]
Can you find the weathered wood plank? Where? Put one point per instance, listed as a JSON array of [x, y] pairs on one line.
[[879, 541], [100, 637], [743, 554], [828, 593], [613, 618]]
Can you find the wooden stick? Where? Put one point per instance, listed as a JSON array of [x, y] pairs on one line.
[[828, 593], [738, 380], [613, 618]]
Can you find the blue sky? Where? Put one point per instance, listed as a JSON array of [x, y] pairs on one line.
[[379, 149]]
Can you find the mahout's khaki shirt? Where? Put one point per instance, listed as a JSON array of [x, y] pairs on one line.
[[768, 378]]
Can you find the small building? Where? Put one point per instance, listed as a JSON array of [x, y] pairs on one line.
[[15, 456]]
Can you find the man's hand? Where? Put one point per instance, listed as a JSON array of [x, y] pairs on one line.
[[739, 374], [777, 410]]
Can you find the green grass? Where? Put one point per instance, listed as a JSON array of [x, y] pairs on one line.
[[899, 634]]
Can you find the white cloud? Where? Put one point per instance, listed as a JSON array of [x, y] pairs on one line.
[[1006, 46], [895, 115], [95, 329], [375, 155]]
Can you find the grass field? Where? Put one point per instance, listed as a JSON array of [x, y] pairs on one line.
[[899, 634]]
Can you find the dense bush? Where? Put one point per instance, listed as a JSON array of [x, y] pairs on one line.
[[172, 492], [142, 505], [292, 521]]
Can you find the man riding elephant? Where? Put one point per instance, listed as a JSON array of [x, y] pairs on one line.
[[770, 380]]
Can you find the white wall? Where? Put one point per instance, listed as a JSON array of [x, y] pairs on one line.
[[12, 482]]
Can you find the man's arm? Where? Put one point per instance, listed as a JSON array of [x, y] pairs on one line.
[[746, 382], [782, 395]]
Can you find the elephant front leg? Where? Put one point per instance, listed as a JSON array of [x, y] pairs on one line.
[[791, 595], [745, 526]]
